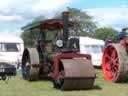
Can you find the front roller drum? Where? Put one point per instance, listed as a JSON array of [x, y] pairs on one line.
[[78, 74], [30, 62], [115, 63]]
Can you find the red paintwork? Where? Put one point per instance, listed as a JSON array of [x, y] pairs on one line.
[[53, 24], [110, 63], [59, 56]]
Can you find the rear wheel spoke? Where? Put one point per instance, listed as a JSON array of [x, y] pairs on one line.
[[108, 57], [108, 67]]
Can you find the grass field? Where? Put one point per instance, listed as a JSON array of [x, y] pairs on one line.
[[18, 87]]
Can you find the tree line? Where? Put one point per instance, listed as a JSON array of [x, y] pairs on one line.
[[83, 26]]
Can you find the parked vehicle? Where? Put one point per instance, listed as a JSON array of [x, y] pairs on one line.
[[11, 49], [115, 60], [94, 47], [54, 58]]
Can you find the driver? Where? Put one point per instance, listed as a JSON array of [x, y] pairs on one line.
[[123, 33], [123, 37]]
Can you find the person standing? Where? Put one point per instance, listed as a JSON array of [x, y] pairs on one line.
[[123, 37], [123, 33]]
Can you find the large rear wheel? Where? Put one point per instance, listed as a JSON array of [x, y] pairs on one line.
[[114, 63], [30, 58]]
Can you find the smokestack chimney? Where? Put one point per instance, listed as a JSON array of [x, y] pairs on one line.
[[65, 27]]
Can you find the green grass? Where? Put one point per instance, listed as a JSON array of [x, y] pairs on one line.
[[18, 87]]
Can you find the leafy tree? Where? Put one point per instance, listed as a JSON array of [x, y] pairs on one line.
[[104, 33], [39, 18], [28, 38]]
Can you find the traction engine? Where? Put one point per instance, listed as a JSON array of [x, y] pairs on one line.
[[52, 58], [115, 61]]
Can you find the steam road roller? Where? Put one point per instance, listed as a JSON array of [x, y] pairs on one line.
[[115, 60], [53, 58]]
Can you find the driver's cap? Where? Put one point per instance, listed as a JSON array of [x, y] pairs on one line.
[[126, 30]]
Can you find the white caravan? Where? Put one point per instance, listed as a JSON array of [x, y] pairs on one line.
[[11, 49], [94, 47]]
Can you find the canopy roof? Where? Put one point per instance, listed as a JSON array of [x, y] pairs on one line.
[[49, 24]]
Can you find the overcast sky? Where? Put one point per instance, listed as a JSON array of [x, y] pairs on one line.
[[16, 13]]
